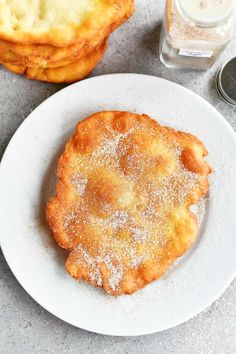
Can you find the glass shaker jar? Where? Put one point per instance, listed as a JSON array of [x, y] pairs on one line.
[[195, 32]]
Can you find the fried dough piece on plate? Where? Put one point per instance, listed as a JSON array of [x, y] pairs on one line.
[[123, 198], [75, 71]]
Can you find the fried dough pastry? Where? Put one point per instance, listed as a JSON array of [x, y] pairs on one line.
[[123, 197], [10, 57], [58, 22], [75, 71], [45, 55]]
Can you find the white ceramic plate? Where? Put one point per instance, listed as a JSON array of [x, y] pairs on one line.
[[26, 180]]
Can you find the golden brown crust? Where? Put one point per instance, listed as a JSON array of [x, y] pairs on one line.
[[59, 57], [51, 26], [45, 55], [122, 203], [75, 71]]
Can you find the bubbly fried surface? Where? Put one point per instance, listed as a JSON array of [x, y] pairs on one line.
[[46, 55], [74, 71], [10, 57], [57, 22], [123, 197]]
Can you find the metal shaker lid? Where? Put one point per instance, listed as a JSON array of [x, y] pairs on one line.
[[206, 12], [226, 82]]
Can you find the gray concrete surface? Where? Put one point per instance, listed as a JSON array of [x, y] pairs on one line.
[[25, 327]]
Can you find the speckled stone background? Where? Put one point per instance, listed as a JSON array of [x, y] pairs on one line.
[[25, 327]]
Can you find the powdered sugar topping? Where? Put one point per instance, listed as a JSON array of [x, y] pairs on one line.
[[127, 236], [79, 182]]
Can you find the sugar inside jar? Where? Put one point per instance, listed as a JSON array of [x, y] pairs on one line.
[[195, 32]]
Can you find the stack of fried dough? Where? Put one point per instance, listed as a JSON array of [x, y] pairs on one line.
[[58, 40]]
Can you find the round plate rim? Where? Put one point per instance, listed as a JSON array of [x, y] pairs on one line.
[[4, 158]]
